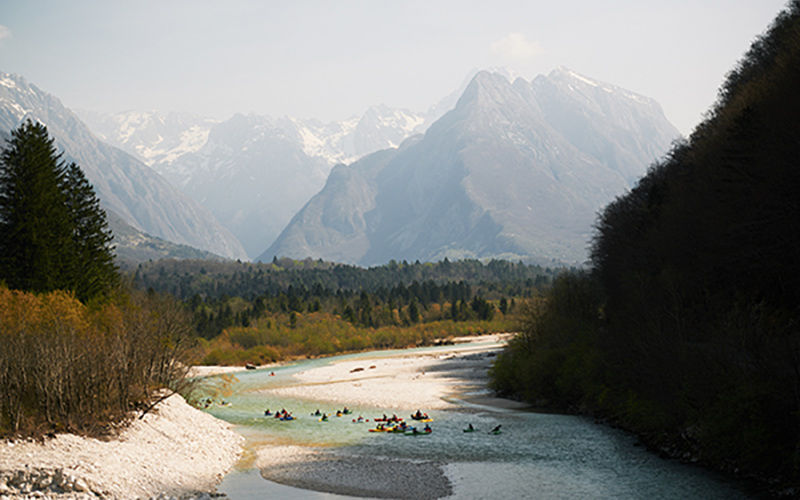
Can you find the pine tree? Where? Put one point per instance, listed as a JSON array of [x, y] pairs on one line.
[[92, 269], [53, 233], [34, 224]]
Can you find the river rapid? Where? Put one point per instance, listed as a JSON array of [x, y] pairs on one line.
[[537, 455]]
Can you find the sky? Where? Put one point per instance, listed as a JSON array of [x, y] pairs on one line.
[[333, 59]]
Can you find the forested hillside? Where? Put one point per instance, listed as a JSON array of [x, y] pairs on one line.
[[265, 312], [186, 278], [686, 328]]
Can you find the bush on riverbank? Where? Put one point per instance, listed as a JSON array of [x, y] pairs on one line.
[[285, 336], [554, 360], [68, 366]]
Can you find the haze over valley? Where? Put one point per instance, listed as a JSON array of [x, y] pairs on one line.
[[498, 169]]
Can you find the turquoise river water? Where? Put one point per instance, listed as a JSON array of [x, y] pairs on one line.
[[538, 455]]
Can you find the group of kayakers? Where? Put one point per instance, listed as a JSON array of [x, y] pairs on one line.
[[281, 415], [401, 427], [208, 402], [393, 419], [323, 417], [391, 424], [395, 424], [496, 430]]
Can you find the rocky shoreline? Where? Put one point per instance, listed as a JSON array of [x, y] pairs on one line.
[[175, 451]]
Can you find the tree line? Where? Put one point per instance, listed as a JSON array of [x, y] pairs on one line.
[[685, 329], [236, 294], [212, 279]]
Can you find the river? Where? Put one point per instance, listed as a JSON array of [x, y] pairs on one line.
[[537, 455]]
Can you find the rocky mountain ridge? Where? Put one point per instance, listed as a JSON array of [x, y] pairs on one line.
[[141, 197], [515, 170]]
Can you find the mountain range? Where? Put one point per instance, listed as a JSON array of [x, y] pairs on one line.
[[127, 188], [516, 170], [254, 172], [501, 168]]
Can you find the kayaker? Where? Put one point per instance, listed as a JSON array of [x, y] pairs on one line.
[[267, 413], [427, 428], [496, 429], [470, 428]]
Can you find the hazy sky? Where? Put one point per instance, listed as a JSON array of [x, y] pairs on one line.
[[332, 59]]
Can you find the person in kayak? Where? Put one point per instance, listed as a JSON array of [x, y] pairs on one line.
[[317, 413], [267, 413], [496, 430], [470, 428], [427, 428]]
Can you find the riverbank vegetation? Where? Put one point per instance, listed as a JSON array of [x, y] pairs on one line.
[[259, 313], [78, 350], [65, 365], [686, 328]]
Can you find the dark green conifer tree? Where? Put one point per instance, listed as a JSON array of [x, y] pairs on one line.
[[53, 233], [91, 266], [34, 224]]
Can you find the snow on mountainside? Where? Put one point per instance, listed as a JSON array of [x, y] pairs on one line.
[[161, 138], [151, 136], [254, 172], [515, 170], [124, 185], [380, 127]]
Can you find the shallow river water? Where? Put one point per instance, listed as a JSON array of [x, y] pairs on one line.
[[537, 455]]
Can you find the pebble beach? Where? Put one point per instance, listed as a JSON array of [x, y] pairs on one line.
[[175, 451]]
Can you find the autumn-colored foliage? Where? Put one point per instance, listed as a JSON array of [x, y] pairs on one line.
[[275, 337], [68, 366]]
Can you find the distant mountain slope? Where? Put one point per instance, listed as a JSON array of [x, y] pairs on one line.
[[515, 171], [254, 172], [133, 247], [124, 185]]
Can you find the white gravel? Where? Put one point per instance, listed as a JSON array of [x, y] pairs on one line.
[[400, 382], [174, 451]]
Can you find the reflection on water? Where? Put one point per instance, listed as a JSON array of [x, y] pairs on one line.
[[536, 455]]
